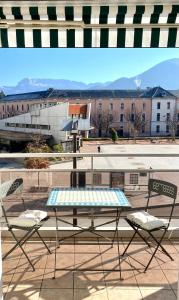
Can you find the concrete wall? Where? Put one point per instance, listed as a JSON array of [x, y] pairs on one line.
[[53, 116]]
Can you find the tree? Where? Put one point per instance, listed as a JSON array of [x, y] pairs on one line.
[[102, 120], [172, 122], [114, 135], [37, 146], [136, 121]]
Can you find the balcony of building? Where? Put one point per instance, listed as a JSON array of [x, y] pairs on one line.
[[85, 251]]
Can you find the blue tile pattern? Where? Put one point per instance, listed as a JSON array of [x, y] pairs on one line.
[[87, 197]]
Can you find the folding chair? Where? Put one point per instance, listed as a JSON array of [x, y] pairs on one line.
[[28, 221], [143, 221]]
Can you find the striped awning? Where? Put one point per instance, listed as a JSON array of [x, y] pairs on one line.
[[33, 24]]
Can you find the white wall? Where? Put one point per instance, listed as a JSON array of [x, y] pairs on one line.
[[163, 113], [53, 116]]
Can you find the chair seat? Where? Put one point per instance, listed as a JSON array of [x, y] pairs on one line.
[[28, 218], [147, 221]]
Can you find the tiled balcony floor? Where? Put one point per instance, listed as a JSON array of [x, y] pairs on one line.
[[158, 283]]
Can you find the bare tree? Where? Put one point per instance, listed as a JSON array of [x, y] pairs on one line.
[[102, 120], [172, 122], [136, 122]]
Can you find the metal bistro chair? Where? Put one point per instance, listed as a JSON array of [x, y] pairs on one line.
[[28, 221], [143, 221]]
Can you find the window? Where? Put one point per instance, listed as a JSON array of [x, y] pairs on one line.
[[158, 117], [122, 105], [143, 117], [110, 117], [134, 178], [3, 107], [133, 106], [132, 117], [167, 128], [97, 178], [17, 107], [7, 107], [121, 118], [143, 174], [144, 106], [143, 128], [158, 105], [168, 116], [27, 107], [168, 105], [22, 107], [111, 106], [158, 128]]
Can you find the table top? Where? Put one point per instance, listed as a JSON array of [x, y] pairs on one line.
[[87, 197]]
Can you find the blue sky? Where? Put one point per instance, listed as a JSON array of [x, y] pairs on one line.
[[86, 65]]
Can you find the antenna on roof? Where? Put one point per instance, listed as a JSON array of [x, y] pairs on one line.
[[138, 83]]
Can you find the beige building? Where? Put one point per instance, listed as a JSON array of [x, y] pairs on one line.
[[128, 111]]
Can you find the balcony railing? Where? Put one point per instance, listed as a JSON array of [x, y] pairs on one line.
[[93, 169]]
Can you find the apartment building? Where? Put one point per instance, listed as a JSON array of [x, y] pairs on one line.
[[119, 108]]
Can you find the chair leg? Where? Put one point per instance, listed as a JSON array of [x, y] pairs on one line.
[[158, 245], [19, 244], [129, 243], [163, 249], [21, 241], [43, 241]]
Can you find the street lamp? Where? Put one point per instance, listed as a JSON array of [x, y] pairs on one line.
[[75, 126]]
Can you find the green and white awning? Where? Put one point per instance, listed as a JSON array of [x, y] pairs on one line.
[[31, 24]]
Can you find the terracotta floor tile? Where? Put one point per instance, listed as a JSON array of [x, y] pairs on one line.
[[22, 292], [112, 279], [172, 277], [139, 261], [64, 260], [158, 294], [151, 279], [6, 280], [105, 249], [90, 295], [166, 263], [93, 280], [111, 262], [38, 260], [64, 248], [89, 260], [170, 247], [23, 276], [36, 247], [87, 248], [11, 262], [64, 279], [56, 294], [123, 294]]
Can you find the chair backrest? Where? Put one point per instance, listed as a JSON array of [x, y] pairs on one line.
[[9, 187], [164, 188]]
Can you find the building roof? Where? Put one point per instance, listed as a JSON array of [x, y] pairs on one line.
[[157, 92], [89, 94]]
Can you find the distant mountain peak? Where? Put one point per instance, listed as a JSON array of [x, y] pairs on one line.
[[164, 74]]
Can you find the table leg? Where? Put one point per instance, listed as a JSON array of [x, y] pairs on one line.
[[57, 243], [116, 234]]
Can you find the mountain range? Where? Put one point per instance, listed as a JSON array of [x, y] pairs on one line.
[[164, 74]]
